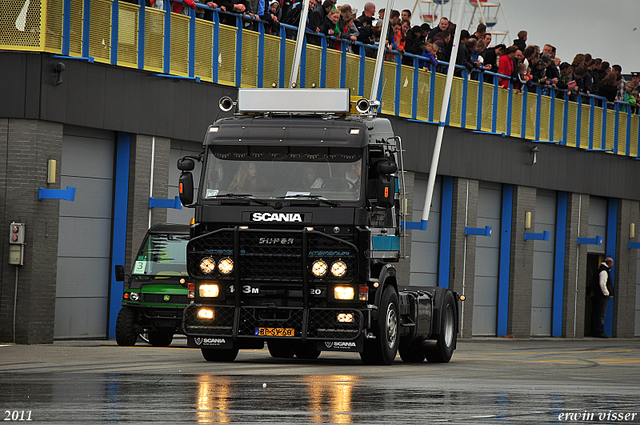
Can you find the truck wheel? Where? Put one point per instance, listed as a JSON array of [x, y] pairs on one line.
[[160, 339], [411, 353], [383, 349], [307, 351], [125, 335], [280, 349], [447, 337], [221, 355]]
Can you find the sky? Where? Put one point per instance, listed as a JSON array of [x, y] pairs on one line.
[[609, 29]]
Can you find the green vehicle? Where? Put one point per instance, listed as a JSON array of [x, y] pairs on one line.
[[155, 293]]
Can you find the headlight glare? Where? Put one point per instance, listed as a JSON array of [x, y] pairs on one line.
[[206, 313], [225, 265], [338, 268], [345, 317], [207, 265], [319, 268], [209, 290], [344, 292]]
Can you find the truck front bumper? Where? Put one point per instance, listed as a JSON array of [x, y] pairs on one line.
[[229, 325]]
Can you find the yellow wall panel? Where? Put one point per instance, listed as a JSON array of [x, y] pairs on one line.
[[100, 33]]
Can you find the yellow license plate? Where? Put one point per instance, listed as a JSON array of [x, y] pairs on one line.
[[275, 332]]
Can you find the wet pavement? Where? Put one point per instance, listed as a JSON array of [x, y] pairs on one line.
[[491, 381]]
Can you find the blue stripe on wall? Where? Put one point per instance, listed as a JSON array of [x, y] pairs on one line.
[[610, 251], [121, 198], [445, 231], [558, 266], [505, 254]]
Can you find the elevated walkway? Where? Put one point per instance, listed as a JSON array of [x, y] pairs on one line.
[[179, 46]]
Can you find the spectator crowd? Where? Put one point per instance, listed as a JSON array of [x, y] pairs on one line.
[[519, 65]]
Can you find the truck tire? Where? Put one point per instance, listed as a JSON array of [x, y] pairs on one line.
[[307, 351], [411, 353], [160, 339], [383, 349], [125, 335], [447, 335], [280, 349], [220, 355]]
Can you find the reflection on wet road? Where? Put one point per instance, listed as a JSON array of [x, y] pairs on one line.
[[479, 386]]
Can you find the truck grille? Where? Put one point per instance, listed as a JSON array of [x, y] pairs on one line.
[[264, 255], [323, 323]]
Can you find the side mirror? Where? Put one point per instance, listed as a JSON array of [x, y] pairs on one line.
[[186, 164], [387, 167], [186, 187], [119, 273]]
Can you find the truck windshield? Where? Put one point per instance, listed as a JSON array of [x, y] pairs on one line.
[[161, 255], [282, 173]]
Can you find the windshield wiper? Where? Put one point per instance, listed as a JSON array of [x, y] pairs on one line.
[[313, 197], [244, 196]]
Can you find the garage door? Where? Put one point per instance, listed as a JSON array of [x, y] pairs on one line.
[[84, 241], [425, 245], [485, 292], [543, 264]]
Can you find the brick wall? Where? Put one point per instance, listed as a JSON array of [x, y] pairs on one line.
[[521, 269], [139, 182], [624, 300], [25, 148]]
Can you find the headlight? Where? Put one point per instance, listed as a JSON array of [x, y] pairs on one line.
[[207, 265], [209, 291], [344, 292], [319, 268], [225, 265], [206, 313], [338, 268], [134, 296]]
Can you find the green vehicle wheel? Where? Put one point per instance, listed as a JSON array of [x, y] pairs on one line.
[[125, 335]]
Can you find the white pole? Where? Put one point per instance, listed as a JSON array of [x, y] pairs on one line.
[[443, 118], [302, 26], [381, 50], [153, 158]]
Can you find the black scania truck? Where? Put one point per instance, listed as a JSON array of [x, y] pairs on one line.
[[297, 229]]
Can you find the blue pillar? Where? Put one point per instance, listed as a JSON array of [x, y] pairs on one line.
[[505, 260], [610, 251], [142, 26], [558, 264], [115, 15], [445, 232], [120, 203]]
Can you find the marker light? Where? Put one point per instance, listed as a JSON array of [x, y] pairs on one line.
[[364, 293], [319, 268], [209, 291], [225, 265], [205, 313], [338, 268], [343, 292], [207, 265]]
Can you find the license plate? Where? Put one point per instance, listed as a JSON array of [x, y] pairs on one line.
[[275, 332]]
